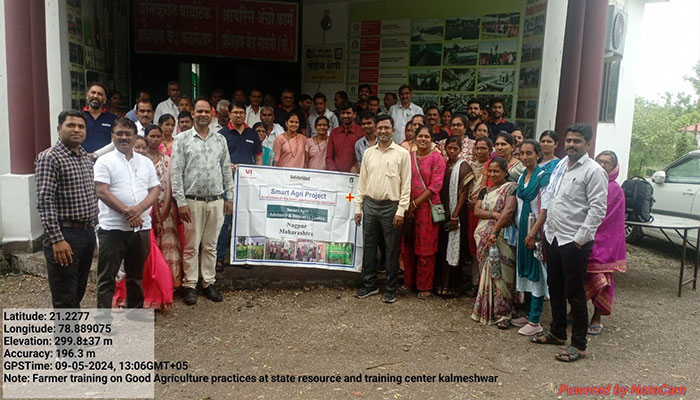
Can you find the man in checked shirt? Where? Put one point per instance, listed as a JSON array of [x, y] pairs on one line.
[[67, 205]]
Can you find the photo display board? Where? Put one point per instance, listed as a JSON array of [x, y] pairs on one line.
[[447, 51]]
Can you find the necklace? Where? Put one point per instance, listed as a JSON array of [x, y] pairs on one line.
[[292, 147]]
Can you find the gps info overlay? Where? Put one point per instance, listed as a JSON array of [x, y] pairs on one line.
[[77, 353]]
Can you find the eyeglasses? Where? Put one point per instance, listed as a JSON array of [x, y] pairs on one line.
[[605, 163]]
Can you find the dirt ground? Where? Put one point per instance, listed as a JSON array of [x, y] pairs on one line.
[[651, 339]]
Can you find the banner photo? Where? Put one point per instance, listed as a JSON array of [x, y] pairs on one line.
[[265, 30], [293, 217]]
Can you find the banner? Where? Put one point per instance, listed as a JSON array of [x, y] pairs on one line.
[[295, 218], [230, 28]]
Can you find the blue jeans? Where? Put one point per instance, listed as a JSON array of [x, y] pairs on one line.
[[224, 242]]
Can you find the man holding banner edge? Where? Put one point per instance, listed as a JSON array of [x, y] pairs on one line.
[[383, 195]]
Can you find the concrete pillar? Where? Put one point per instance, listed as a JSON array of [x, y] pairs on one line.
[[552, 52], [27, 84], [582, 71], [591, 77], [27, 117], [57, 62], [570, 69]]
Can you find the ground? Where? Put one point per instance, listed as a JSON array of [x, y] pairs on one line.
[[651, 339]]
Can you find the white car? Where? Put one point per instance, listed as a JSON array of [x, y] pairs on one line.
[[676, 193]]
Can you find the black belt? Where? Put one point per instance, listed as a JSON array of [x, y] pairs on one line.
[[75, 224], [205, 198]]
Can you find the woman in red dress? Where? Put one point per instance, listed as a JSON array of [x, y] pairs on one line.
[[421, 236]]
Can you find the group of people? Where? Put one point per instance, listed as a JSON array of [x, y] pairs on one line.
[[461, 202], [510, 228]]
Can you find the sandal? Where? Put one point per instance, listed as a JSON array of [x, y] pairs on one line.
[[572, 354], [219, 266], [424, 295], [547, 338], [404, 290], [594, 330], [505, 324]]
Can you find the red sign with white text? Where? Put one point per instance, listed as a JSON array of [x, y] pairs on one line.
[[230, 28]]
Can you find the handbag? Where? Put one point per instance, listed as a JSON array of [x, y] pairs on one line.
[[437, 210]]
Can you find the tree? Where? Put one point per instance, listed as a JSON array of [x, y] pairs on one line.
[[656, 130], [695, 80], [685, 142]]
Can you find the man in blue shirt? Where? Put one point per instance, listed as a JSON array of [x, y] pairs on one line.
[[98, 119], [142, 96], [244, 147]]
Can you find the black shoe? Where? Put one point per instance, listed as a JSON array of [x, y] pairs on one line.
[[381, 269], [389, 297], [189, 296], [365, 292], [213, 294]]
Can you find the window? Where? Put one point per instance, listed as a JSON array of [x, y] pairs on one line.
[[608, 97], [688, 171]]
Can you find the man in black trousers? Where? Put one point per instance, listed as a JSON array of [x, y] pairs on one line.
[[576, 203]]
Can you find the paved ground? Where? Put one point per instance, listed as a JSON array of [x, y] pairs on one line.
[[651, 339]]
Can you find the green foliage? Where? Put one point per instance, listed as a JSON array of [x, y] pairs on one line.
[[656, 136], [695, 80], [685, 142]]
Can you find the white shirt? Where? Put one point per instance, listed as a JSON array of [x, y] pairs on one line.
[[167, 106], [129, 181], [269, 141], [576, 201], [401, 116], [311, 124], [140, 130], [215, 126], [252, 117]]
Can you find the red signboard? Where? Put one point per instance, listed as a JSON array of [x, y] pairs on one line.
[[369, 60], [369, 75], [370, 44], [371, 28], [231, 28]]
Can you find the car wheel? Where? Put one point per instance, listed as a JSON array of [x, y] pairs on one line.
[[633, 234]]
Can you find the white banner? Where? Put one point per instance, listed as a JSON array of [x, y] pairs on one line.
[[295, 218]]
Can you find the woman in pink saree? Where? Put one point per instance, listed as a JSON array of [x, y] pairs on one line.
[[609, 250]]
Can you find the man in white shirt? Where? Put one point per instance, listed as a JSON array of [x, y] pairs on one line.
[[268, 114], [144, 113], [127, 186], [221, 122], [169, 105], [320, 109], [403, 112], [252, 112], [575, 202]]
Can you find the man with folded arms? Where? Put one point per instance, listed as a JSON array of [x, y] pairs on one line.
[[127, 186], [201, 177]]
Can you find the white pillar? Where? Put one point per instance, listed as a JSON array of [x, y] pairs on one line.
[[57, 61], [552, 51]]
